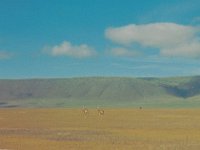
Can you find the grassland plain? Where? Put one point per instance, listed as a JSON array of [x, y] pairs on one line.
[[123, 129]]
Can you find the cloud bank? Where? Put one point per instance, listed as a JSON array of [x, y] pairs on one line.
[[171, 39], [70, 50], [123, 52], [5, 55]]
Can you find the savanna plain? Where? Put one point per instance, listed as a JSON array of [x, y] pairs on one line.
[[123, 129]]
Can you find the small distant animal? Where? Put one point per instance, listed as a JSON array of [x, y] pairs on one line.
[[85, 111], [140, 107], [100, 111]]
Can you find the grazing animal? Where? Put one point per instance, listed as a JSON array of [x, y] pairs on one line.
[[100, 111], [140, 107], [85, 111]]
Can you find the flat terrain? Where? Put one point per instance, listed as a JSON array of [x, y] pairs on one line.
[[123, 129]]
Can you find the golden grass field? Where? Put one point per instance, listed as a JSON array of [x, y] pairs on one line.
[[118, 129]]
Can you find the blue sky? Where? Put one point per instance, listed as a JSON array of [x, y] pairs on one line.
[[73, 38]]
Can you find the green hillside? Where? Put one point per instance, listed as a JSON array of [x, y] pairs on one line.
[[101, 91]]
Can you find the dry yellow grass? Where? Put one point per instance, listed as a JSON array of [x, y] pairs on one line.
[[123, 129]]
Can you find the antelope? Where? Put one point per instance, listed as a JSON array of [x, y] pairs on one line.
[[85, 111], [100, 111]]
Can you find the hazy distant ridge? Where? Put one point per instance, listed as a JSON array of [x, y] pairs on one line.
[[99, 88]]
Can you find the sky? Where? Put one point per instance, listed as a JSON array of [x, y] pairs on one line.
[[78, 38]]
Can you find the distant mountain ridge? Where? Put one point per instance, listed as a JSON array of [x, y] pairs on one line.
[[113, 89]]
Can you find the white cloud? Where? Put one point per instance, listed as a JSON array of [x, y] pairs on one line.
[[191, 49], [5, 55], [67, 49], [123, 52], [172, 39]]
